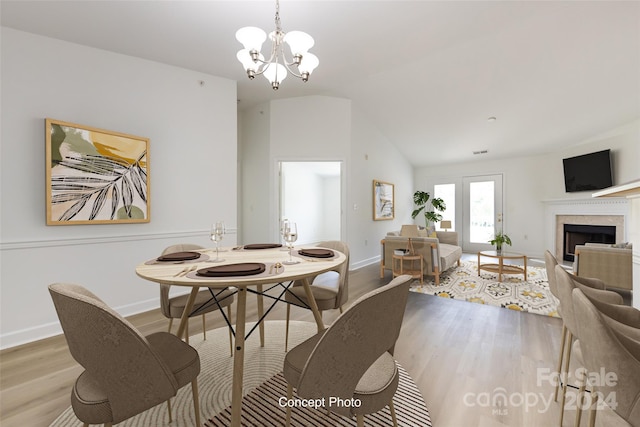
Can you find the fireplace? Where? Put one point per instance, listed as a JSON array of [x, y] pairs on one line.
[[579, 234], [608, 211]]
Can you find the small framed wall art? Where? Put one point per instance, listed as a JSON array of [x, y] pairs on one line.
[[95, 176], [383, 200]]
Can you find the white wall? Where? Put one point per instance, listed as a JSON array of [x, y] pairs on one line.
[[530, 181], [254, 155], [313, 128], [322, 128], [190, 119], [373, 156]]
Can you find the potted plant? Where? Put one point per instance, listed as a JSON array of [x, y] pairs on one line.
[[432, 208], [499, 239]]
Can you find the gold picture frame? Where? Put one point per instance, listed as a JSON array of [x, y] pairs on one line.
[[95, 176], [383, 201]]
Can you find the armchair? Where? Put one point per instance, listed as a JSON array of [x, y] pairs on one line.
[[438, 253], [610, 264]]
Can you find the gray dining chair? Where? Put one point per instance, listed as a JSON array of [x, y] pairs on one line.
[[125, 373], [173, 307], [352, 359], [550, 263], [565, 284], [330, 289], [610, 346]]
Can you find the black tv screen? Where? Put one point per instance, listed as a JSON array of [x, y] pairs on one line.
[[588, 172]]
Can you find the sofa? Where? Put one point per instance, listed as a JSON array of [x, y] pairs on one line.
[[439, 253], [610, 263]]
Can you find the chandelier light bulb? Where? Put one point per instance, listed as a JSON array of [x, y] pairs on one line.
[[249, 65], [308, 64], [275, 73], [299, 42], [251, 38]]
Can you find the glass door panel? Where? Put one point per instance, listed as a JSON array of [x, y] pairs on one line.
[[483, 210]]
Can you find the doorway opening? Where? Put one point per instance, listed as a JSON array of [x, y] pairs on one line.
[[311, 196]]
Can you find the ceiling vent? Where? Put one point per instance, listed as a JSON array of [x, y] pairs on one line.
[[481, 152]]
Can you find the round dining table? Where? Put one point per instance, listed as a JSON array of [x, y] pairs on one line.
[[187, 273]]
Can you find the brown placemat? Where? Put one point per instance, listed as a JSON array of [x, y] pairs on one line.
[[317, 253], [262, 246], [179, 256], [232, 270]]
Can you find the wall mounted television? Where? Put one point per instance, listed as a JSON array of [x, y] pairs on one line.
[[588, 172]]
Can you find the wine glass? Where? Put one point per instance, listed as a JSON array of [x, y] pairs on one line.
[[284, 224], [290, 236], [217, 232]]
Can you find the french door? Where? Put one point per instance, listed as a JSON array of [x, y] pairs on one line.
[[482, 213]]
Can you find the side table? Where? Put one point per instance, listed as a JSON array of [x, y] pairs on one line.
[[406, 264]]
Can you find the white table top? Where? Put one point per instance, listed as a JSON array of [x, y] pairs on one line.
[[167, 273]]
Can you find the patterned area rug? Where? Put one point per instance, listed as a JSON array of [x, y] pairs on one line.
[[263, 385], [463, 283]]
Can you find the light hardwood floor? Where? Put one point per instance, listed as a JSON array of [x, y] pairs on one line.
[[461, 355]]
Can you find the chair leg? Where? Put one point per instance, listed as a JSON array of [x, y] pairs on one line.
[[169, 410], [360, 419], [287, 420], [230, 334], [196, 400], [594, 408], [170, 324], [580, 398], [340, 308], [286, 333], [186, 332], [559, 368], [564, 375], [85, 425], [204, 328], [393, 413]]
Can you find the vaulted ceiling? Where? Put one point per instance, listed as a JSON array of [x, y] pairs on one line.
[[428, 73]]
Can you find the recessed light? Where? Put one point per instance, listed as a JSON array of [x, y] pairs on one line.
[[491, 119]]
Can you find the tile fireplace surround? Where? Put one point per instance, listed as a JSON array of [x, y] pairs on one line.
[[612, 211]]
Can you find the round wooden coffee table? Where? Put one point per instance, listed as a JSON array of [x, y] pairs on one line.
[[502, 268]]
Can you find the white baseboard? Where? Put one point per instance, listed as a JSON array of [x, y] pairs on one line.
[[366, 262]]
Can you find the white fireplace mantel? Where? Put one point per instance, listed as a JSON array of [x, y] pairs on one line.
[[579, 207]]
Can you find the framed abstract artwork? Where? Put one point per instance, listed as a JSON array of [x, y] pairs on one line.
[[95, 176], [383, 201]]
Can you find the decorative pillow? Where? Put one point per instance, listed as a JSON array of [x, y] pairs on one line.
[[433, 234]]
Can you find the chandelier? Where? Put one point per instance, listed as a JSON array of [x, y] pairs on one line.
[[276, 68]]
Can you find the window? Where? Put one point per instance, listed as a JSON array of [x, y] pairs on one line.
[[447, 192]]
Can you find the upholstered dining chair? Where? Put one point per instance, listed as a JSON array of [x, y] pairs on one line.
[[612, 347], [565, 284], [330, 289], [125, 373], [550, 263], [622, 317], [173, 307], [352, 359]]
